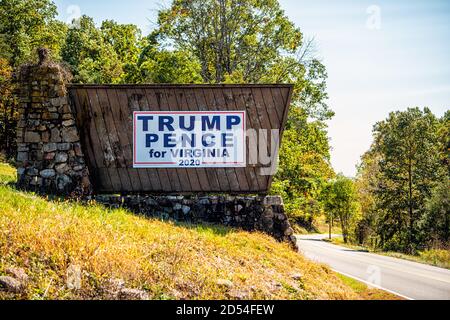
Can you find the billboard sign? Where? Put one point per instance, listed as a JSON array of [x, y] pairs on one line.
[[189, 139]]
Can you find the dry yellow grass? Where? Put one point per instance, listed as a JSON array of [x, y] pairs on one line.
[[167, 260]]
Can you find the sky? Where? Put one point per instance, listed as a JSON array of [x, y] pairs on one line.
[[381, 56]]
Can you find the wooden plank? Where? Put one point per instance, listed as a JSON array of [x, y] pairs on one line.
[[152, 181], [256, 119], [104, 181], [287, 94], [266, 123], [105, 144], [121, 120], [263, 116], [114, 138], [287, 98], [221, 173], [83, 129], [154, 175], [241, 179], [191, 173], [174, 175], [242, 174], [279, 102], [213, 178], [124, 125], [169, 85], [250, 170], [230, 172], [275, 124], [162, 173], [284, 105], [267, 99], [135, 105]]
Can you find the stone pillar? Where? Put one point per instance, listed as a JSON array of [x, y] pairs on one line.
[[49, 155]]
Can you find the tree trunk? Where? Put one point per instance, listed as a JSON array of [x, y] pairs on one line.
[[344, 229], [329, 227], [410, 208]]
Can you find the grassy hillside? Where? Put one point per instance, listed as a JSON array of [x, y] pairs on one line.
[[165, 260]]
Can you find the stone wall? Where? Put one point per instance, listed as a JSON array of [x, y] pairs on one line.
[[49, 155], [265, 214]]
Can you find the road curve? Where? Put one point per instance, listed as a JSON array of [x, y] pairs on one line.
[[408, 279]]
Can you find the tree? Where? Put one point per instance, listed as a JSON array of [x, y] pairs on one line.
[[248, 41], [304, 167], [91, 58], [230, 37], [159, 65], [444, 140], [435, 223], [366, 182], [127, 42], [409, 168], [341, 201], [8, 117], [26, 25]]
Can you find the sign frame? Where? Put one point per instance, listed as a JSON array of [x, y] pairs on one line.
[[173, 164]]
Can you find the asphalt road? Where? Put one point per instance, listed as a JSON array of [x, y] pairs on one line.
[[408, 279]]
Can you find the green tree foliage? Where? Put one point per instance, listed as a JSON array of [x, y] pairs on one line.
[[444, 140], [230, 37], [159, 65], [7, 112], [92, 59], [340, 200], [400, 172], [127, 42], [248, 41], [435, 223], [26, 25], [304, 167], [366, 181]]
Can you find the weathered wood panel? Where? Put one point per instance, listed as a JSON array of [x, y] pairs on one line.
[[104, 116]]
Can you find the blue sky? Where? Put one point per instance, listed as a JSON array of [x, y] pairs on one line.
[[381, 56]]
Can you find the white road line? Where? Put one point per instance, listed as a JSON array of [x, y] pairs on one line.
[[373, 285], [386, 263]]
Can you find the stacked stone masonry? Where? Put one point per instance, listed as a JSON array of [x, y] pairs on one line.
[[265, 214], [49, 153]]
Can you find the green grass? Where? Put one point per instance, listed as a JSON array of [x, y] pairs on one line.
[[340, 241], [366, 292], [7, 174], [320, 225], [435, 257], [166, 259]]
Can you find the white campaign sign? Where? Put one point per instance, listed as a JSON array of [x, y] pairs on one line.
[[165, 139]]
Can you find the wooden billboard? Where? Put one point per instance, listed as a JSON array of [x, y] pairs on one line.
[[104, 116]]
